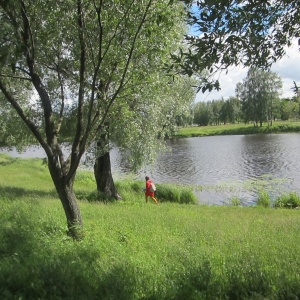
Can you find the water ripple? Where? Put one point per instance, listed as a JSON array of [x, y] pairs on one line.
[[224, 166], [270, 162]]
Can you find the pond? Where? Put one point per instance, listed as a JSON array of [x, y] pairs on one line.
[[222, 167], [233, 166]]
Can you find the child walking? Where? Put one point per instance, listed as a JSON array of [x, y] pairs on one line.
[[148, 191]]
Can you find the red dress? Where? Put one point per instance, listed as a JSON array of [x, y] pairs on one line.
[[148, 192]]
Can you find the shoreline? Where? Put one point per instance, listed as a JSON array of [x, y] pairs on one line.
[[238, 129]]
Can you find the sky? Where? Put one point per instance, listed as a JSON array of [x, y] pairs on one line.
[[288, 68]]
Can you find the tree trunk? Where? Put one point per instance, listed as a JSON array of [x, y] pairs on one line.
[[68, 199], [102, 166], [103, 176], [72, 211]]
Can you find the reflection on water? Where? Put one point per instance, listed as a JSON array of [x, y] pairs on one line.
[[233, 166], [222, 167]]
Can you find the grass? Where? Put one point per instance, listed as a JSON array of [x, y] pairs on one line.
[[264, 199], [290, 200], [236, 129], [134, 250]]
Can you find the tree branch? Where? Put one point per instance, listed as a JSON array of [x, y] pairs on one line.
[[34, 129], [62, 96], [15, 77], [52, 148], [127, 62], [76, 151]]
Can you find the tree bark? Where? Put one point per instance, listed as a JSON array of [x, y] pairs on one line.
[[102, 166], [103, 176], [71, 208], [68, 199]]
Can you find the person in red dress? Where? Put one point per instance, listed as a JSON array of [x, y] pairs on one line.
[[148, 193]]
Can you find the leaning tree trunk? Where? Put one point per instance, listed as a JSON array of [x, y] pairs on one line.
[[72, 211], [103, 176], [68, 199]]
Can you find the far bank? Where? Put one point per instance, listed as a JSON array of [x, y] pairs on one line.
[[238, 129]]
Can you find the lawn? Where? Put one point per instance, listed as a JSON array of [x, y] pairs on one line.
[[233, 129], [134, 250]]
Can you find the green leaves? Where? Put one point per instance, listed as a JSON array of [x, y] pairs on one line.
[[258, 93], [252, 33]]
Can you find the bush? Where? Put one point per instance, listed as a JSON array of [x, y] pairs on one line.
[[175, 193], [235, 201], [187, 196], [291, 200], [130, 189], [137, 186], [263, 199]]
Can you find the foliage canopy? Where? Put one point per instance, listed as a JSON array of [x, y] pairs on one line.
[[224, 33], [78, 56]]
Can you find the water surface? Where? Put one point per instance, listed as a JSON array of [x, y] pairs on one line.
[[233, 166], [221, 167]]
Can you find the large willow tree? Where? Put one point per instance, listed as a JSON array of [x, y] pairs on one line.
[[73, 53], [140, 130]]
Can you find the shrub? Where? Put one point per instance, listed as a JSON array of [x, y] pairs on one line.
[[175, 193], [187, 196], [291, 200], [263, 199], [129, 189], [235, 201], [137, 186], [127, 185], [167, 193]]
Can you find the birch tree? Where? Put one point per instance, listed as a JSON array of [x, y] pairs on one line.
[[258, 93]]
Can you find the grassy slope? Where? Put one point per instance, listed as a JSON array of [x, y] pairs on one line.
[[136, 251]]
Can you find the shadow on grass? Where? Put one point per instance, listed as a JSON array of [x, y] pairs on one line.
[[36, 263], [45, 267], [36, 268], [7, 160], [15, 193], [39, 262]]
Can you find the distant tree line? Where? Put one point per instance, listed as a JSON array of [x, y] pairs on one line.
[[257, 101]]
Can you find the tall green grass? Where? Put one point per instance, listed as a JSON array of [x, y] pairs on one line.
[[290, 200], [264, 199], [149, 252], [134, 250], [133, 191]]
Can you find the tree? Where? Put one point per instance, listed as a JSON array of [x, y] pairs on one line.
[[216, 107], [140, 131], [62, 54], [158, 102], [289, 108], [258, 92], [235, 110], [202, 113], [11, 127], [251, 33], [216, 111], [230, 110]]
